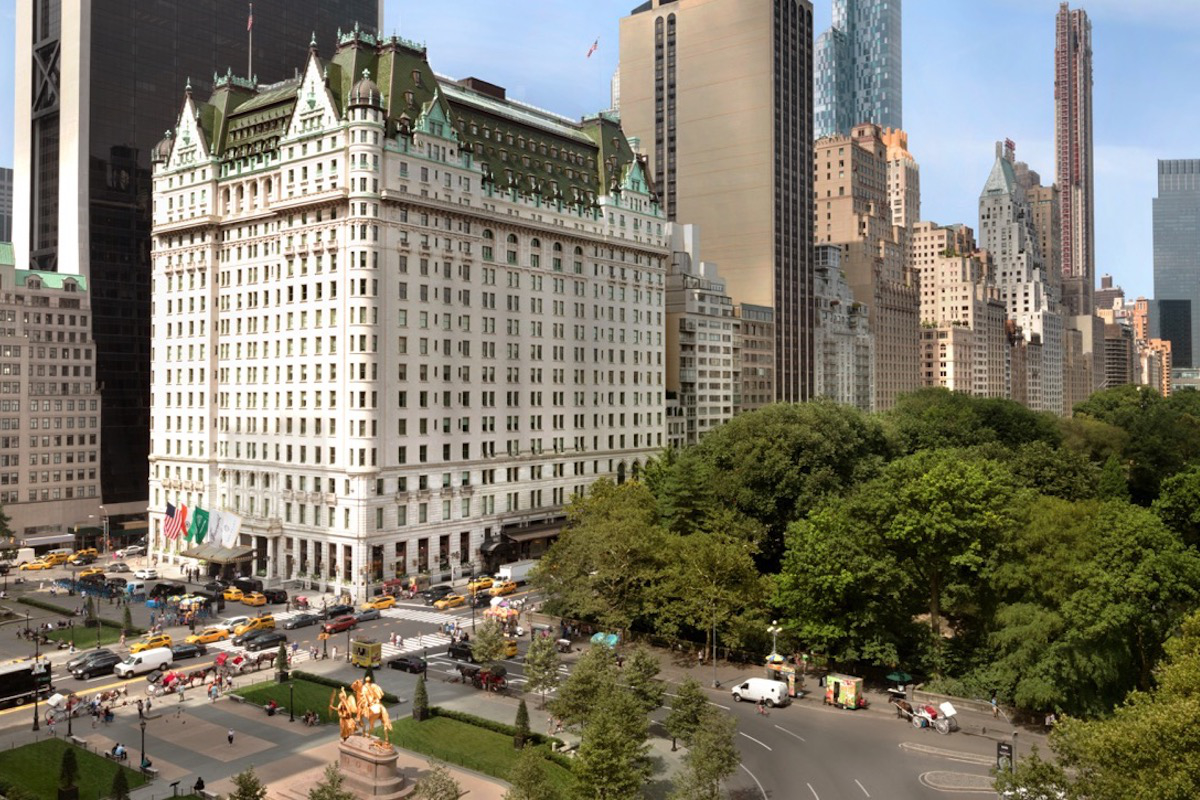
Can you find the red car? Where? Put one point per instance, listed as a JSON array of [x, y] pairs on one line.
[[340, 624]]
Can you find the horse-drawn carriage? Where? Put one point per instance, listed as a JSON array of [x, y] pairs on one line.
[[490, 677], [942, 719]]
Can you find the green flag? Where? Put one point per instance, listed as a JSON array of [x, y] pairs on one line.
[[199, 527]]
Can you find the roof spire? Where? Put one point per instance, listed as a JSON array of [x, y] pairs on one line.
[[188, 88], [312, 43]]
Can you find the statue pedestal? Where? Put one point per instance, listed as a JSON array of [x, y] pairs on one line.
[[370, 770]]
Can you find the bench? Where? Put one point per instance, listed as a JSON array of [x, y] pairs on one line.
[[237, 698], [278, 710], [150, 772], [207, 795], [78, 742], [109, 755]]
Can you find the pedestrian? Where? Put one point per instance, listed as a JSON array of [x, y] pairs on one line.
[[147, 706], [50, 722], [141, 709], [334, 649], [151, 619], [229, 736], [1051, 719], [179, 708], [122, 638], [995, 705]]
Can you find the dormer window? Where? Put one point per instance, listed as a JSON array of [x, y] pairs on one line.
[[416, 76]]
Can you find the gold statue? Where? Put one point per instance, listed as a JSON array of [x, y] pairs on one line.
[[347, 711], [370, 708]]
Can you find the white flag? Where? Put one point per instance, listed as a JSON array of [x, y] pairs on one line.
[[225, 527]]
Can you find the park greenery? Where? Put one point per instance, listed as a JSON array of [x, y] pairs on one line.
[[972, 542]]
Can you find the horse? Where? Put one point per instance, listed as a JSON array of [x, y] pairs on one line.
[[370, 710]]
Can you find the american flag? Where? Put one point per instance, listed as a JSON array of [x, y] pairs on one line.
[[250, 21], [592, 49], [176, 521]]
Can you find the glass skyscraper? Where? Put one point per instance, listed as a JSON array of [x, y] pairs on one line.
[[1177, 259], [98, 83], [857, 66]]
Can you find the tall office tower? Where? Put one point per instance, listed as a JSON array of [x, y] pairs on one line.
[[1108, 296], [1007, 232], [963, 343], [1073, 154], [904, 179], [1177, 260], [719, 92], [400, 319], [97, 85], [843, 345], [701, 331], [850, 181], [859, 68], [6, 204], [49, 411]]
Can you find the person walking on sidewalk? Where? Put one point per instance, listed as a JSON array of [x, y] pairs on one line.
[[229, 736]]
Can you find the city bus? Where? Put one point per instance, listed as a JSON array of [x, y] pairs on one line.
[[19, 682]]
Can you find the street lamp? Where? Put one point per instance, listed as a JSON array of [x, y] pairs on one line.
[[292, 701], [104, 521], [142, 725], [774, 629], [36, 688]]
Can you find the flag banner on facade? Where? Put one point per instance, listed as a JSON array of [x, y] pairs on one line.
[[182, 515], [225, 527], [199, 527], [173, 525]]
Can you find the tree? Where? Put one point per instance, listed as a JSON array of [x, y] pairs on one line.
[[6, 531], [588, 687], [488, 644], [1056, 471], [605, 564], [528, 778], [541, 666], [420, 707], [1033, 777], [331, 786], [127, 622], [712, 757], [90, 612], [120, 785], [521, 725], [247, 786], [613, 761], [281, 659], [1113, 483], [1178, 505], [640, 675], [687, 711], [929, 419], [438, 784]]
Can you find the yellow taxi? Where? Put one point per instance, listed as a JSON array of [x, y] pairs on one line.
[[87, 551], [380, 603], [264, 623], [87, 573], [510, 648], [507, 587], [450, 601], [35, 565], [151, 642], [478, 585], [208, 636], [232, 593], [255, 599], [54, 559]]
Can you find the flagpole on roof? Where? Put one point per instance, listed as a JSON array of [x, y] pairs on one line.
[[250, 52]]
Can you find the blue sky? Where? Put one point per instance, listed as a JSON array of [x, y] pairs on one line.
[[974, 71]]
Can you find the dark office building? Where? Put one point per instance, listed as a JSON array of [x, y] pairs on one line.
[[1177, 259], [97, 83]]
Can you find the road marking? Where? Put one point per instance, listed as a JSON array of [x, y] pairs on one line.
[[789, 733], [814, 791], [760, 786], [756, 741], [868, 794]]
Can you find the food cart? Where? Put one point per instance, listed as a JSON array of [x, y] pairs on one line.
[[778, 669], [844, 691], [366, 653]]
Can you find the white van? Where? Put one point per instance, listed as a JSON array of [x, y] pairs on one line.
[[134, 588], [773, 693], [61, 551], [18, 556], [143, 662]]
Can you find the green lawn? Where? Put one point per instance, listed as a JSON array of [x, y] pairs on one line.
[[34, 768], [308, 695], [468, 746], [86, 637]]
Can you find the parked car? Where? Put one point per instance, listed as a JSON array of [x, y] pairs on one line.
[[275, 595], [187, 650], [120, 566], [301, 621], [461, 651], [381, 602], [367, 614], [435, 593], [339, 610], [146, 574], [413, 664], [268, 639], [131, 551], [208, 636], [150, 643], [771, 692], [101, 664], [340, 624]]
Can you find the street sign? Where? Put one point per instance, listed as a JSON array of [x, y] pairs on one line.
[[1004, 756]]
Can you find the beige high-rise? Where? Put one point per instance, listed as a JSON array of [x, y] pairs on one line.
[[850, 179], [719, 92]]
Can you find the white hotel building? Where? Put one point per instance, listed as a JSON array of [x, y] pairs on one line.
[[397, 319]]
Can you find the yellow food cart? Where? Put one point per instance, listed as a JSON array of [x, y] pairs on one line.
[[366, 653]]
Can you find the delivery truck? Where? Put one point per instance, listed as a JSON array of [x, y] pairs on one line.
[[517, 571]]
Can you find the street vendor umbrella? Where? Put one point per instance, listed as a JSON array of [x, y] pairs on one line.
[[775, 658], [899, 677]]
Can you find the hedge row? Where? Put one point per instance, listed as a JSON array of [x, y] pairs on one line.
[[506, 729], [312, 677], [70, 612]]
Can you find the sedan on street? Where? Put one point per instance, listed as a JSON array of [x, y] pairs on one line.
[[268, 639], [146, 574], [120, 566], [102, 664], [131, 551], [450, 601], [339, 610], [413, 664], [340, 624], [367, 614], [301, 621], [181, 651]]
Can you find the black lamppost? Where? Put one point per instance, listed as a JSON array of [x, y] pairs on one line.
[[142, 725], [347, 644], [292, 702], [70, 717], [472, 594], [37, 689]]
